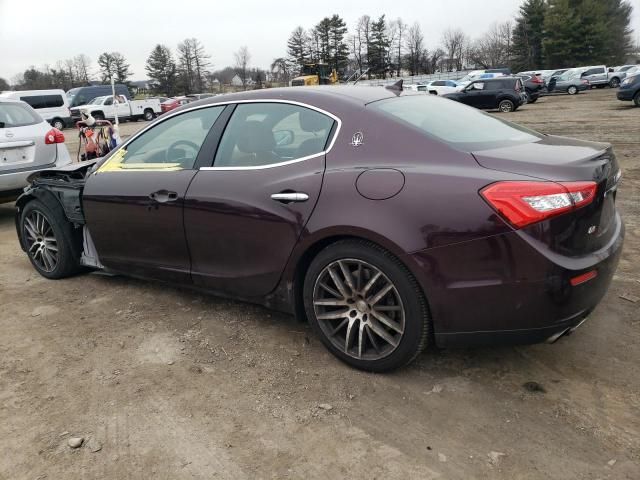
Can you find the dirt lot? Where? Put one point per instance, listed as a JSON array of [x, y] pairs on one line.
[[170, 384]]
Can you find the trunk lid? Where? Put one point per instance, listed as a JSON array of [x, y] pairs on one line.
[[25, 147], [559, 159]]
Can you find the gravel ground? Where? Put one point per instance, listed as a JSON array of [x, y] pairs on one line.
[[169, 384]]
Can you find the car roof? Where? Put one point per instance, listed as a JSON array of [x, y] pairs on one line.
[[320, 96]]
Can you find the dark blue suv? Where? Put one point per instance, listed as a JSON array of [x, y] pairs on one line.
[[630, 90]]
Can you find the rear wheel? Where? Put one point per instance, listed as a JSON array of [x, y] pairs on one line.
[[636, 99], [506, 106], [47, 238], [572, 90], [366, 306], [148, 115]]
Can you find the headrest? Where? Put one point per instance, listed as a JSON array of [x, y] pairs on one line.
[[311, 121], [256, 138]]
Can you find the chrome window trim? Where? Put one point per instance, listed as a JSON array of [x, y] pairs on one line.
[[295, 160], [237, 102]]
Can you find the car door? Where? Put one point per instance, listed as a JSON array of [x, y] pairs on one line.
[[475, 95], [133, 204], [244, 215]]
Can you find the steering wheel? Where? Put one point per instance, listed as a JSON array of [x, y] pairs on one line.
[[172, 152]]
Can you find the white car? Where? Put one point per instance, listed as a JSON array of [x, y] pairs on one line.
[[27, 144], [104, 107], [52, 105], [442, 87], [476, 75]]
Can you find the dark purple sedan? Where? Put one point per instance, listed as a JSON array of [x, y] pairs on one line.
[[390, 221]]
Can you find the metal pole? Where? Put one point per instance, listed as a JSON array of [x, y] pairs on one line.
[[115, 101]]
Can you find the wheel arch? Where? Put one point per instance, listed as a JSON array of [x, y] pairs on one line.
[[309, 248], [52, 202]]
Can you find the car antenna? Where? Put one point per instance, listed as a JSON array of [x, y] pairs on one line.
[[396, 87]]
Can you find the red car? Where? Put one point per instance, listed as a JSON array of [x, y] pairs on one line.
[[173, 103]]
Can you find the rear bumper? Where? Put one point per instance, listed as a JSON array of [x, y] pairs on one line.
[[503, 290], [15, 180]]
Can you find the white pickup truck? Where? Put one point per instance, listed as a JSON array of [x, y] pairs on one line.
[[104, 108]]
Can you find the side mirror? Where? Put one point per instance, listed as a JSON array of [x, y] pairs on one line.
[[283, 138], [611, 70]]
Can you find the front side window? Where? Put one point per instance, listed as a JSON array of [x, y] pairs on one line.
[[171, 145], [260, 134]]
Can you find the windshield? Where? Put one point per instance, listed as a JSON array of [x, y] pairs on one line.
[[460, 126], [308, 70]]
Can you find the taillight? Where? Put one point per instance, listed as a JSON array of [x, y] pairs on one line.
[[537, 79], [524, 203], [54, 136]]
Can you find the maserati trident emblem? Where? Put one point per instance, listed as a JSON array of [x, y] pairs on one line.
[[357, 139]]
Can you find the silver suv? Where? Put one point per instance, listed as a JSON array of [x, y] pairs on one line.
[[27, 144]]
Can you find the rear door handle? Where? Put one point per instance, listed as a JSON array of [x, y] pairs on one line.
[[288, 197], [163, 196]]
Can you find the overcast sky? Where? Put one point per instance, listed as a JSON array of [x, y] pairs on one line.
[[39, 32]]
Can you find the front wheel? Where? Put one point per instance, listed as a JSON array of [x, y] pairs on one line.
[[506, 106], [636, 99], [48, 240], [366, 306], [614, 83], [572, 90]]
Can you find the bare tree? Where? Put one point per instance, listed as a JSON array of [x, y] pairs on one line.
[[415, 48], [456, 44], [493, 49], [397, 33], [360, 42], [281, 70], [82, 68], [243, 57]]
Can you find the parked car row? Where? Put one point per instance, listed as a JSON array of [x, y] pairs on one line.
[[172, 103]]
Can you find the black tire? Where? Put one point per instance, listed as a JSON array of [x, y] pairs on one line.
[[98, 115], [148, 115], [533, 99], [572, 90], [67, 241], [58, 123], [614, 82], [636, 99], [417, 322], [506, 106]]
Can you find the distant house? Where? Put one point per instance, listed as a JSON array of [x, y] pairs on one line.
[[142, 87], [236, 81]]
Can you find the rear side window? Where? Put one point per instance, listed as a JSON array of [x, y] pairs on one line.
[[43, 101], [261, 134], [458, 125], [17, 115]]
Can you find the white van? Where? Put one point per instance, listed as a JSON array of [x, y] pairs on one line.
[[52, 105]]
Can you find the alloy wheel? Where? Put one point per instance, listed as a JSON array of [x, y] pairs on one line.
[[42, 245], [359, 309], [572, 90], [506, 107]]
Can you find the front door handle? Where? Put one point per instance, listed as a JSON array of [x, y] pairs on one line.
[[288, 197], [163, 196]]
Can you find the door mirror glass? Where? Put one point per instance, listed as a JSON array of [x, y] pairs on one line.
[[283, 137]]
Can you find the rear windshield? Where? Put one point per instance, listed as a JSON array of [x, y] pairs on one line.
[[17, 115], [462, 127]]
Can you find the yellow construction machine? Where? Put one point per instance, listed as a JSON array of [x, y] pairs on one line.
[[315, 74]]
